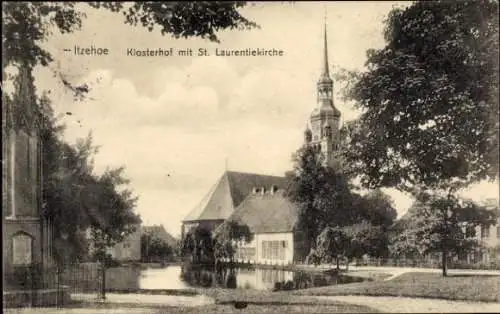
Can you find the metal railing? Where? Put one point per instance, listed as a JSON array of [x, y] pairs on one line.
[[432, 262]]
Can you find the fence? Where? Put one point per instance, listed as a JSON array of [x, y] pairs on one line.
[[426, 263], [49, 286]]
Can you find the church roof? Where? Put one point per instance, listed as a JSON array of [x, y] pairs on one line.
[[268, 213], [228, 192], [326, 108]]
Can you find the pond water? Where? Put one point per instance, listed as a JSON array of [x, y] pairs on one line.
[[185, 277]]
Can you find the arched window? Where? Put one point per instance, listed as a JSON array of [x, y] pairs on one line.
[[328, 131], [22, 249]]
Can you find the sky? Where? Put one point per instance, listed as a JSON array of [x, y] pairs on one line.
[[177, 122]]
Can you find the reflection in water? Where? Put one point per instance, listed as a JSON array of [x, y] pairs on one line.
[[184, 277], [162, 278]]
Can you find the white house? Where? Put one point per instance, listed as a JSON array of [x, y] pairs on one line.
[[272, 219]]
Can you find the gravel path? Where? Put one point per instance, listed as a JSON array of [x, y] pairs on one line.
[[149, 299], [417, 305]]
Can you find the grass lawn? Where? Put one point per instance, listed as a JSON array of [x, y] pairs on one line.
[[424, 285]]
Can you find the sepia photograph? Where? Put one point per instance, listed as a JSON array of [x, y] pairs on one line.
[[250, 157]]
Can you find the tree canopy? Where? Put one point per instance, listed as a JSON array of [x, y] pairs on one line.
[[155, 249], [198, 245], [75, 198], [227, 236], [320, 193], [429, 98], [332, 244], [325, 200]]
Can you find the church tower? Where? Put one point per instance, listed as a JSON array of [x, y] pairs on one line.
[[322, 131]]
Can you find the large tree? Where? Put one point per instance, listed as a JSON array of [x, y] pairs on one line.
[[228, 236], [332, 244], [430, 102], [67, 175], [114, 205], [198, 246], [155, 249], [320, 193], [429, 98], [76, 199], [366, 238], [375, 207]]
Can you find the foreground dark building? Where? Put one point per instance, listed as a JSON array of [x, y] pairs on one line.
[[26, 237]]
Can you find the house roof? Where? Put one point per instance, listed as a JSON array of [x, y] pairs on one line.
[[268, 213], [228, 192]]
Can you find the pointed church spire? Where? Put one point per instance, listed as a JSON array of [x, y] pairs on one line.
[[325, 73]]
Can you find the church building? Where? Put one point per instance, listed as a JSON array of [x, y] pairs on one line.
[[258, 200]]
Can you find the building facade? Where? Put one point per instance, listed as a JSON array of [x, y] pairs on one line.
[[26, 234], [128, 250], [489, 238], [272, 220]]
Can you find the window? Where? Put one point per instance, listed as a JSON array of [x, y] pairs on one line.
[[485, 231], [22, 249], [274, 250], [328, 131]]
